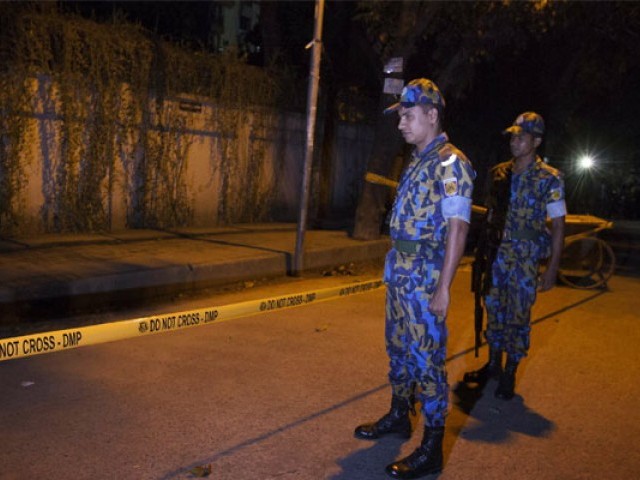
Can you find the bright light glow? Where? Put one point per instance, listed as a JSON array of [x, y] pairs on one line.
[[586, 162]]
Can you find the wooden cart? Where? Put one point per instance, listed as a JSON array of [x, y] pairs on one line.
[[587, 261]]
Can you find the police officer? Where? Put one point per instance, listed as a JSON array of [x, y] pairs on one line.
[[535, 193], [428, 228]]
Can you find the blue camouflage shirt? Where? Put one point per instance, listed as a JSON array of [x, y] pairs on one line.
[[436, 185], [536, 193]]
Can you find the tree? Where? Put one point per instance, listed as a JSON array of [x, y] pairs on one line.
[[495, 59], [409, 21], [448, 37]]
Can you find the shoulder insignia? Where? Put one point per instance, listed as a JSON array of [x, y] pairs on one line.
[[452, 158]]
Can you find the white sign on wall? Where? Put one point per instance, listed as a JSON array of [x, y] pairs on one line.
[[393, 86]]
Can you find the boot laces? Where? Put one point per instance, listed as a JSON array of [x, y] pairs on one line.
[[419, 456]]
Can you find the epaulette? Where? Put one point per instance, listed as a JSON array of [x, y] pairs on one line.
[[501, 167], [549, 169], [447, 152]]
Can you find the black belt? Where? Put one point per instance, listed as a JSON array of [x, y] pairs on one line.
[[410, 247]]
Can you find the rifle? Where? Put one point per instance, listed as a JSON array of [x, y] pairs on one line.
[[486, 250], [481, 279]]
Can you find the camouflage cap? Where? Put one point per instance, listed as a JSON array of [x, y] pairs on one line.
[[420, 91], [527, 122]]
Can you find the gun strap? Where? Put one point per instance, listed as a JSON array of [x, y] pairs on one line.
[[494, 224], [502, 194]]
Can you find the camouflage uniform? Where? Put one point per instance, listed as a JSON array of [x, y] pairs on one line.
[[437, 185], [536, 193]]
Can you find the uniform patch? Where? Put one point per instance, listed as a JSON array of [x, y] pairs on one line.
[[450, 186], [556, 195]]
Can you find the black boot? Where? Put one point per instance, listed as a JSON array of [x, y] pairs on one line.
[[396, 421], [425, 460], [507, 384], [491, 369]]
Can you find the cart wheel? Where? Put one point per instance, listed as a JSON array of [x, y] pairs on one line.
[[586, 262]]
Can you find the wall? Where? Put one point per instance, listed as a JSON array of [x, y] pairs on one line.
[[248, 173]]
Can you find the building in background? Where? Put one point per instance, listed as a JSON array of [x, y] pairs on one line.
[[233, 26]]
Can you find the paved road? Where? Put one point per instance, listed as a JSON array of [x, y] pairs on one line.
[[276, 396]]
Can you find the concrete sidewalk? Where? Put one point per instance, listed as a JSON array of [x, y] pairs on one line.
[[149, 263], [59, 274]]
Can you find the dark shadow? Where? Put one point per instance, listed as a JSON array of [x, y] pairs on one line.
[[465, 395], [369, 463], [497, 419]]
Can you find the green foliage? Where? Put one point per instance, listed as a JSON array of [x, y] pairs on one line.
[[14, 128], [102, 88]]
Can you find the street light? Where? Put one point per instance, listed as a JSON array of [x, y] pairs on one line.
[[586, 187], [585, 162]]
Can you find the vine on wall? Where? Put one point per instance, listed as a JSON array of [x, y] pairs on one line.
[[108, 85], [14, 129]]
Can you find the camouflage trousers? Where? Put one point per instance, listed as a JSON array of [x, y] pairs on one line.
[[416, 339], [511, 296]]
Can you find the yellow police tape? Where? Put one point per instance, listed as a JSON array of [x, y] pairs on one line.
[[48, 342]]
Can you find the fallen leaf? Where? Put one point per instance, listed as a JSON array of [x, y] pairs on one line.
[[201, 471]]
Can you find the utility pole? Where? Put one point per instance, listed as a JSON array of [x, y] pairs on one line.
[[312, 101]]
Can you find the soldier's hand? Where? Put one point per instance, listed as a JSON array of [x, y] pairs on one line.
[[439, 303], [547, 280]]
